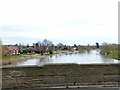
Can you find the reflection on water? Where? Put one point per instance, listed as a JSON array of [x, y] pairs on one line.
[[87, 57]]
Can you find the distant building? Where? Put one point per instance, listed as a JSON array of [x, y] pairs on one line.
[[9, 50], [29, 49]]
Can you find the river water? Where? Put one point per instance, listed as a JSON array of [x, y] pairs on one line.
[[86, 57]]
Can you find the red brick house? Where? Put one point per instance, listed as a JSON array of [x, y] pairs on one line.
[[9, 50]]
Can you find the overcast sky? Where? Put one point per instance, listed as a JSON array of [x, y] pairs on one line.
[[66, 21]]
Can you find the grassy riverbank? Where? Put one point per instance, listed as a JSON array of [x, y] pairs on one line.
[[111, 51], [114, 55], [56, 52], [7, 60], [15, 56]]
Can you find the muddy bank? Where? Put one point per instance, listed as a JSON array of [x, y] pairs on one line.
[[66, 75]]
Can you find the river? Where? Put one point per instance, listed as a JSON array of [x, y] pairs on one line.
[[86, 57]]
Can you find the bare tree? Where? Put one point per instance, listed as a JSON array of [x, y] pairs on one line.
[[45, 46]]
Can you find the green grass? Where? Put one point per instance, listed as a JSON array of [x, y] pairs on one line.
[[54, 52], [114, 55], [47, 53], [25, 54], [15, 56], [111, 51]]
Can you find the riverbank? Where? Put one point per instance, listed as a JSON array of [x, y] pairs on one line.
[[14, 59], [7, 60], [113, 55], [110, 51]]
